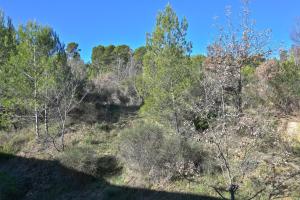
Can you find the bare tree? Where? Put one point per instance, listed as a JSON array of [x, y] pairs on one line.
[[35, 80], [65, 100], [235, 136], [235, 48], [34, 77], [78, 68], [295, 37], [295, 34], [296, 54], [234, 140]]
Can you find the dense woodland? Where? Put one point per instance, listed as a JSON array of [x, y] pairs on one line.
[[223, 125]]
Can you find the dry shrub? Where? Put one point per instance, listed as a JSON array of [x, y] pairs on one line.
[[116, 91], [156, 154], [267, 70], [107, 81]]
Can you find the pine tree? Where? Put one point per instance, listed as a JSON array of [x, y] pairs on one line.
[[166, 72]]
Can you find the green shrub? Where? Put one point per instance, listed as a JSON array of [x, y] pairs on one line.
[[14, 143], [80, 159], [248, 72], [201, 123], [103, 126], [156, 153], [87, 161], [286, 87]]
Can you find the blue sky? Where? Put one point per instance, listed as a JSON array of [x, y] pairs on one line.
[[94, 22]]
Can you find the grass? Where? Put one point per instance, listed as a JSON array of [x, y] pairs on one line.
[[86, 147], [14, 143], [103, 142]]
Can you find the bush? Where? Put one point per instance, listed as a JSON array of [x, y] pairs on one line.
[[154, 152], [286, 87], [103, 126], [12, 144], [85, 160], [80, 159]]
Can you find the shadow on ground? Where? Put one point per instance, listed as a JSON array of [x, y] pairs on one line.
[[28, 178]]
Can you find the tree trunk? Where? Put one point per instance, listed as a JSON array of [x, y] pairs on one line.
[[176, 121], [239, 92], [175, 114], [240, 101], [46, 120], [46, 109], [232, 189], [232, 195], [62, 139], [37, 131]]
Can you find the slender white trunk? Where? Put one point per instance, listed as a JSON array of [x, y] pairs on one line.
[[62, 138], [46, 119], [37, 132], [63, 131], [46, 110]]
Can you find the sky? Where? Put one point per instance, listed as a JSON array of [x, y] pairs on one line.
[[94, 22]]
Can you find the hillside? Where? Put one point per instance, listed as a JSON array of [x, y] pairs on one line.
[[151, 123]]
